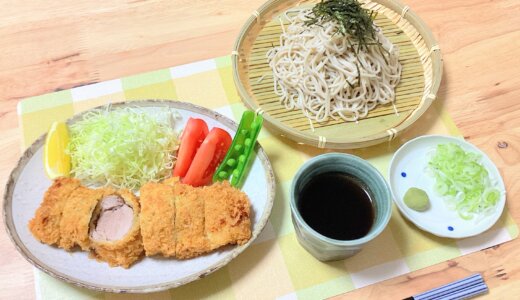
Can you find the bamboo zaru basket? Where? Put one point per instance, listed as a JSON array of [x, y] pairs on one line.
[[420, 58]]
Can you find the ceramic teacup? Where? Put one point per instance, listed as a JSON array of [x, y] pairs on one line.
[[325, 248]]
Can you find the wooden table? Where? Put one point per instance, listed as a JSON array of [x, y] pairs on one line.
[[51, 45]]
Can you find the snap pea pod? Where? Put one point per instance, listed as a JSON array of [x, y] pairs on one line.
[[233, 167]]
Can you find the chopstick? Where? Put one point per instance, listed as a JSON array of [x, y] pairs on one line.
[[461, 289]]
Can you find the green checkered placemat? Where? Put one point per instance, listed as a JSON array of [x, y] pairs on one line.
[[275, 266]]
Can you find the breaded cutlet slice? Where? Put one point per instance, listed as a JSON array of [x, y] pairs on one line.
[[189, 222], [45, 226], [226, 215], [127, 250], [157, 219], [75, 221]]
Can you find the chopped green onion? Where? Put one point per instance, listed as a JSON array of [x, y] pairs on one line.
[[125, 147], [462, 181]]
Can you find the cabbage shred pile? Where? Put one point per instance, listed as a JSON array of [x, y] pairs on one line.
[[463, 181], [125, 148]]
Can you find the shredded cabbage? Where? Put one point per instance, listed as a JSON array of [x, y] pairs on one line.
[[125, 147], [462, 181]]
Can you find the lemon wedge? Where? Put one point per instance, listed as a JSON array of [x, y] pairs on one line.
[[55, 160]]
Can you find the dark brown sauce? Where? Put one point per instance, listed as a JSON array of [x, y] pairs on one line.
[[337, 206]]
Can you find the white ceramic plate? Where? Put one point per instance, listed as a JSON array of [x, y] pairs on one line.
[[407, 169], [28, 182]]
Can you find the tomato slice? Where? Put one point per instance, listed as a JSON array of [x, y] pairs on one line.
[[208, 157], [192, 137]]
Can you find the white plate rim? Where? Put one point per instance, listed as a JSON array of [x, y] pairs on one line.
[[460, 141], [29, 152]]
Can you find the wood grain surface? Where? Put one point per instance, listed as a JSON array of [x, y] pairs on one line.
[[52, 45]]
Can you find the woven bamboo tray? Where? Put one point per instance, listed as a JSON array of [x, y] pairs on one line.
[[421, 75]]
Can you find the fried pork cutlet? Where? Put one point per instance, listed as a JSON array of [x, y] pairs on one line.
[[171, 219], [208, 218], [115, 235], [157, 219], [45, 226], [226, 215], [189, 222], [75, 221]]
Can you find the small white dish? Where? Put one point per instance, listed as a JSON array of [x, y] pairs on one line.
[[408, 169]]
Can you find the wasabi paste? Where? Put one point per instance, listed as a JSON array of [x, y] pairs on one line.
[[417, 199]]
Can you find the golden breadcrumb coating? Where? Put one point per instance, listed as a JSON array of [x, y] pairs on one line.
[[226, 215], [189, 222], [75, 222], [172, 181], [157, 219], [208, 218], [170, 219], [129, 249], [45, 226]]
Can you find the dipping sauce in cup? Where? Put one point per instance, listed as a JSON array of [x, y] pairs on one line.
[[339, 202], [344, 202]]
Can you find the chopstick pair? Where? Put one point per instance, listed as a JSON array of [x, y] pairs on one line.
[[461, 289]]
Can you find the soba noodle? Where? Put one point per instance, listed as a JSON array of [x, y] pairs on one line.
[[326, 76]]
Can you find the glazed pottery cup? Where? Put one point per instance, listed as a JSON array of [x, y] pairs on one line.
[[320, 246]]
